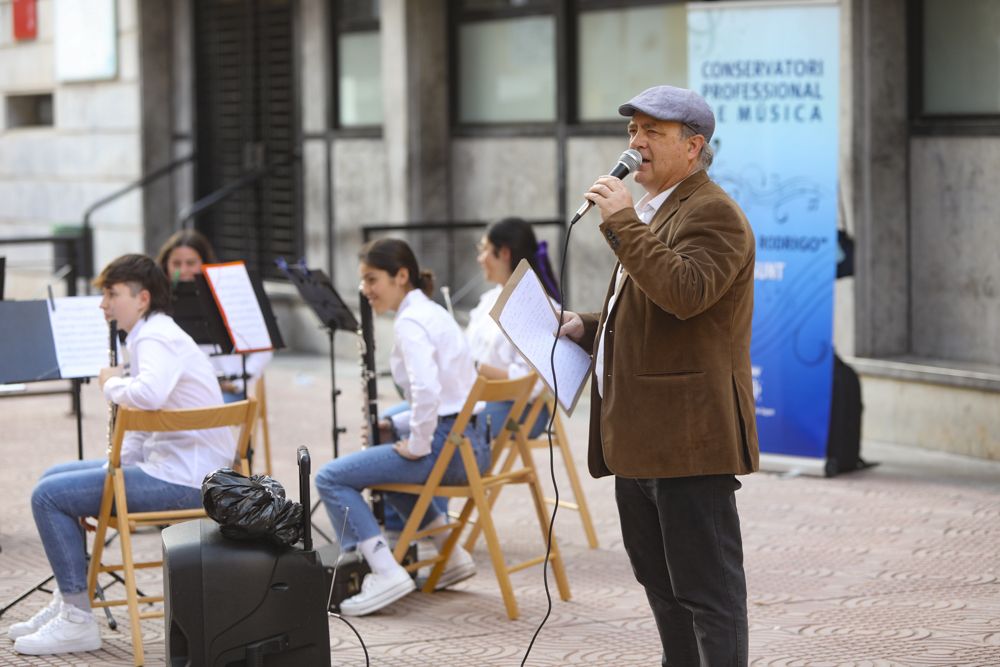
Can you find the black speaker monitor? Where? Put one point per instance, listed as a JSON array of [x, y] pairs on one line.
[[239, 604]]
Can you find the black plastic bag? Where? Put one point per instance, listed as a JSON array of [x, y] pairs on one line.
[[251, 508]]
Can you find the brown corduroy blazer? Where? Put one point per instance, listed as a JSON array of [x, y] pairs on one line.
[[678, 399]]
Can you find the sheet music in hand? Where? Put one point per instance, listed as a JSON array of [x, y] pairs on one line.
[[526, 316], [237, 301]]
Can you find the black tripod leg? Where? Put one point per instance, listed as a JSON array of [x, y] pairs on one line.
[[40, 586], [112, 623], [114, 575]]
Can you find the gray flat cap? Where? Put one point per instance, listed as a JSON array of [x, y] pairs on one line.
[[676, 104]]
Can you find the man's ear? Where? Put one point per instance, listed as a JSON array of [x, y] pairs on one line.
[[144, 299], [697, 143], [504, 255]]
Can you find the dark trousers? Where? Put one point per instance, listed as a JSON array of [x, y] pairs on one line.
[[683, 539]]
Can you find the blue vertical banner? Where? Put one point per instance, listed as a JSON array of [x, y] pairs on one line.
[[770, 73]]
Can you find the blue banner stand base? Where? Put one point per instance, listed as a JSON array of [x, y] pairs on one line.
[[795, 465]]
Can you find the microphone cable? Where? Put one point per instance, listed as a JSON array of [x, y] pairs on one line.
[[552, 464], [628, 162], [333, 580], [363, 647]]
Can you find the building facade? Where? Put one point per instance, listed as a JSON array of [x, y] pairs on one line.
[[310, 119]]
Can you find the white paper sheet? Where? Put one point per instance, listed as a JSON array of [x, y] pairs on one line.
[[81, 336], [527, 318], [234, 294]]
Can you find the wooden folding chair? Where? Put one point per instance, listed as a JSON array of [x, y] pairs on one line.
[[261, 431], [476, 492], [560, 441], [114, 512]]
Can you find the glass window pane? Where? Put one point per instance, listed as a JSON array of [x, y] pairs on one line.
[[961, 57], [507, 70], [623, 52], [351, 12], [359, 85]]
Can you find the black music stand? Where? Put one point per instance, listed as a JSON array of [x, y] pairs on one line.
[[29, 355], [197, 313], [317, 291], [29, 352], [3, 273]]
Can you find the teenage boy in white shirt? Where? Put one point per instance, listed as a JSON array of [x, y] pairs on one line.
[[162, 470]]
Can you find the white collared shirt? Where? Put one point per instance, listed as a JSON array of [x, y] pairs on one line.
[[490, 346], [646, 208], [432, 365], [169, 372]]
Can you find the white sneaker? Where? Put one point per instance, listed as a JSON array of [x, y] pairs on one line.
[[459, 568], [35, 623], [378, 591], [73, 630]]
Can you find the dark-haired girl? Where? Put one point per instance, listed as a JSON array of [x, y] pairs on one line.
[[182, 257], [431, 363], [501, 249]]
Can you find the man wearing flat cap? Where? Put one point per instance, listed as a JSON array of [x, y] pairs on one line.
[[672, 409]]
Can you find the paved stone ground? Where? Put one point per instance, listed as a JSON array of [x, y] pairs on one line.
[[895, 565]]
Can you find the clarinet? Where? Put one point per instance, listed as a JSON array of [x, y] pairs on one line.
[[369, 389], [113, 361]]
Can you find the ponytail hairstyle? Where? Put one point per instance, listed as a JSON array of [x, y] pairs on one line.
[[516, 235], [391, 255]]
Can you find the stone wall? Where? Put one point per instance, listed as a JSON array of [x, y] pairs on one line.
[[50, 175]]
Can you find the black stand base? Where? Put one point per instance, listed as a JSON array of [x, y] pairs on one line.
[[40, 587]]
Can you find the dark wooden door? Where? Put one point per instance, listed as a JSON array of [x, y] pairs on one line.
[[247, 122]]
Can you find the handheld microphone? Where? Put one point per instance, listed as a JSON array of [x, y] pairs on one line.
[[628, 162]]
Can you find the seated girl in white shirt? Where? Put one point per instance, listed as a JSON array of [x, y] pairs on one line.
[[162, 470], [503, 246], [431, 363], [505, 243]]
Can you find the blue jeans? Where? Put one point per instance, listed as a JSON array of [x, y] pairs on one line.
[[495, 413], [393, 521], [233, 396], [72, 490], [340, 482]]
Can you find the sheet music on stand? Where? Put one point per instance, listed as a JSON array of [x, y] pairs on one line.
[[62, 339], [241, 311], [58, 339], [80, 334], [526, 316]]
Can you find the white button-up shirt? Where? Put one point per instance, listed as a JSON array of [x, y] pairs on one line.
[[490, 346], [432, 365], [646, 209], [169, 372]]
